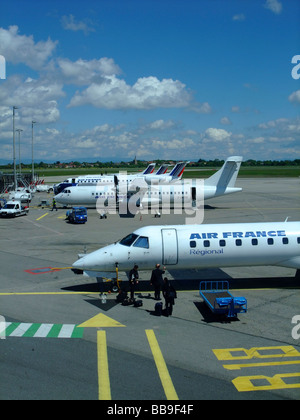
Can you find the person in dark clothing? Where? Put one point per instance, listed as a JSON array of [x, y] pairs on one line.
[[169, 293], [157, 280], [54, 204], [133, 280]]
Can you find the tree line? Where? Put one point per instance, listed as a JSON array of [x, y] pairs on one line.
[[141, 164]]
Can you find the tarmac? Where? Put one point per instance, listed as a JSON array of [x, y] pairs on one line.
[[59, 341]]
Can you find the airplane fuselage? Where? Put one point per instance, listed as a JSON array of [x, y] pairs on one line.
[[176, 195], [200, 246]]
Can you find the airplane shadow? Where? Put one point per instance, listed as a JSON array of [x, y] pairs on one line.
[[109, 304], [190, 280]]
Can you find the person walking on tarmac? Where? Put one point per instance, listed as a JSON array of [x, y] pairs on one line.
[[54, 204], [169, 293], [157, 280], [133, 280]]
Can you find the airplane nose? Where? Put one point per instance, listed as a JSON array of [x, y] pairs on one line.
[[78, 264], [88, 262], [85, 263], [100, 260]]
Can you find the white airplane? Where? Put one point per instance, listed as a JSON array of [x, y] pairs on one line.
[[158, 177], [171, 195], [94, 179], [198, 246]]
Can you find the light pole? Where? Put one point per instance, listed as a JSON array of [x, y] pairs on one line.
[[14, 149], [19, 131], [32, 122]]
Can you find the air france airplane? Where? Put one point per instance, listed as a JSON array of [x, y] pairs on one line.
[[159, 177], [94, 179], [198, 246], [188, 194]]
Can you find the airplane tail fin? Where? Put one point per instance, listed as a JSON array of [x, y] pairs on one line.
[[227, 175], [149, 169], [162, 170], [178, 169]]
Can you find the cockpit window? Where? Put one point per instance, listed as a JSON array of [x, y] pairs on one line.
[[129, 239], [135, 240], [142, 242]]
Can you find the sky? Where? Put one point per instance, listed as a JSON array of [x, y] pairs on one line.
[[156, 79]]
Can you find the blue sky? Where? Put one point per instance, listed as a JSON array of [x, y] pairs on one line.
[[114, 79]]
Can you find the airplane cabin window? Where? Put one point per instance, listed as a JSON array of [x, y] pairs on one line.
[[206, 244], [129, 239], [142, 242], [298, 240], [222, 242], [238, 242], [270, 241], [254, 241], [193, 244], [285, 241]]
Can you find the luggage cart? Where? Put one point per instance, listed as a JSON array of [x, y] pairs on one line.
[[217, 297]]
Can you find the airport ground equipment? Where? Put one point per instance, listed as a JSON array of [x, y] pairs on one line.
[[44, 203], [77, 215], [220, 301], [13, 208]]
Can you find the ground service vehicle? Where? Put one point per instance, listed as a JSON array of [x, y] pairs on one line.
[[13, 208], [77, 215]]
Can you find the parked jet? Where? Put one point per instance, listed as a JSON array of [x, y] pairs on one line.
[[94, 179], [198, 246], [159, 177], [190, 193]]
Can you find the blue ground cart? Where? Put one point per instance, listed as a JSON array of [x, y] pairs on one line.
[[77, 215], [219, 300]]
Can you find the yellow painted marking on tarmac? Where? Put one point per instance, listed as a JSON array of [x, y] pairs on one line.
[[100, 321], [246, 365], [161, 367], [241, 353], [104, 392], [42, 216], [245, 384]]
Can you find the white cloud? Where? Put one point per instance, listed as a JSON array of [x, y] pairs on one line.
[[274, 5], [146, 93], [216, 135], [201, 108], [160, 125], [22, 49], [36, 99], [83, 72], [174, 144], [225, 121], [295, 97], [69, 23]]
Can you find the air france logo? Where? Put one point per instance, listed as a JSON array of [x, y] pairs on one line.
[[2, 67], [225, 235]]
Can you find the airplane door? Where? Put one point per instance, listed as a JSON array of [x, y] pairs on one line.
[[169, 246]]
